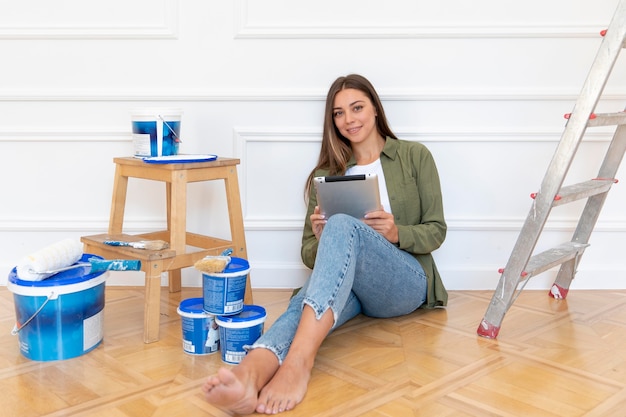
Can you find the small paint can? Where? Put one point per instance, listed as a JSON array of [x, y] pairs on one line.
[[199, 328], [240, 330]]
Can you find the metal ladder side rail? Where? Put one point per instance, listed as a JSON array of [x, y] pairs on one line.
[[574, 131], [591, 212]]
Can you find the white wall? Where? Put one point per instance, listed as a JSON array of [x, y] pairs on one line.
[[483, 84]]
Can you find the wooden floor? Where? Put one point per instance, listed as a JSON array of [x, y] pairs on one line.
[[552, 358]]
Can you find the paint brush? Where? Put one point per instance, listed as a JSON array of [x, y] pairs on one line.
[[142, 244], [214, 264]]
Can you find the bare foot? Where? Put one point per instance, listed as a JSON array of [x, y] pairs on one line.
[[231, 392], [286, 389]]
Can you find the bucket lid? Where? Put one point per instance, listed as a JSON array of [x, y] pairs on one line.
[[192, 306], [236, 265], [236, 268], [249, 313], [71, 276]]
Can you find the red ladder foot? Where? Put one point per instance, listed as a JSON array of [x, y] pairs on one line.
[[488, 330], [558, 292]]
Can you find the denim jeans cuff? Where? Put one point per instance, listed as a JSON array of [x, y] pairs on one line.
[[319, 310], [272, 349]]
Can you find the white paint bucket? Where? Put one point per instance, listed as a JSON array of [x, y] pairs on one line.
[[156, 131], [224, 292], [240, 330], [61, 317], [200, 332]]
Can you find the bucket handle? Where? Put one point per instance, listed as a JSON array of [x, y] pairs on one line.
[[18, 327], [176, 137]]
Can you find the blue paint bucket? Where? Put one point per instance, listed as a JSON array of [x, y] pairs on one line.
[[156, 131], [224, 292], [240, 330], [61, 317], [200, 333]]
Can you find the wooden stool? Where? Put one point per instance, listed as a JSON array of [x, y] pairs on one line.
[[185, 248]]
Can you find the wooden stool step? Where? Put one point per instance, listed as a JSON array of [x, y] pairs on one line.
[[153, 264], [125, 252]]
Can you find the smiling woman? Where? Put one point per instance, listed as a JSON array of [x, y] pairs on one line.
[[483, 89], [348, 255]]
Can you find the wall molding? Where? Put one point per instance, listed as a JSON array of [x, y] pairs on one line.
[[86, 225], [54, 134], [166, 29], [246, 135], [245, 29], [243, 135], [287, 95], [54, 224]]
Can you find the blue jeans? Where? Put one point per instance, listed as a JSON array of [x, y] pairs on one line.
[[356, 271]]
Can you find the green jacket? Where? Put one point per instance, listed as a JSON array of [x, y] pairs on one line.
[[415, 196]]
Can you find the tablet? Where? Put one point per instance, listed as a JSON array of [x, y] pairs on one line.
[[349, 194]]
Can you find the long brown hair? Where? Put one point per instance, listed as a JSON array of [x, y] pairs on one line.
[[336, 149]]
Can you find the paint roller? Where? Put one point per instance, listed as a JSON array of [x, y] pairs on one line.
[[65, 255]]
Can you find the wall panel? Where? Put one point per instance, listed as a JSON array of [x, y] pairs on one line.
[[484, 87]]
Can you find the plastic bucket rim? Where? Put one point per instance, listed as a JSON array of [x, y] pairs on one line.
[[55, 291], [199, 313], [237, 267], [227, 274], [235, 322]]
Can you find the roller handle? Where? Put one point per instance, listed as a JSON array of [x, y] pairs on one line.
[[99, 265]]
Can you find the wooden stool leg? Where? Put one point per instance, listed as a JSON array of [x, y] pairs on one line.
[[174, 280], [176, 197], [152, 301], [118, 203], [173, 277], [236, 223]]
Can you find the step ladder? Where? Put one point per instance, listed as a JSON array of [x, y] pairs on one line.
[[521, 266]]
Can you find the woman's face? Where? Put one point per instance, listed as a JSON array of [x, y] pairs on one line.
[[355, 116]]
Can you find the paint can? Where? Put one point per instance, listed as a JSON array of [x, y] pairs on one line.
[[61, 317], [156, 131], [200, 332], [240, 330], [224, 292]]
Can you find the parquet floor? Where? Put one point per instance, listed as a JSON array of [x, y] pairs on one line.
[[552, 358]]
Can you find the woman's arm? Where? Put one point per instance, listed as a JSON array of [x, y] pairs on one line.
[[430, 232], [308, 251], [416, 199]]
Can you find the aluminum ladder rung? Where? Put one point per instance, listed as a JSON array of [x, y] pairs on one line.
[[608, 119], [582, 190], [553, 257]]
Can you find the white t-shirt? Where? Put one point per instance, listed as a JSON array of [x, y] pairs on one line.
[[374, 168]]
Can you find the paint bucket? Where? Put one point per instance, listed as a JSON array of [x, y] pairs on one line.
[[60, 317], [156, 131], [200, 333], [224, 292], [240, 330]]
